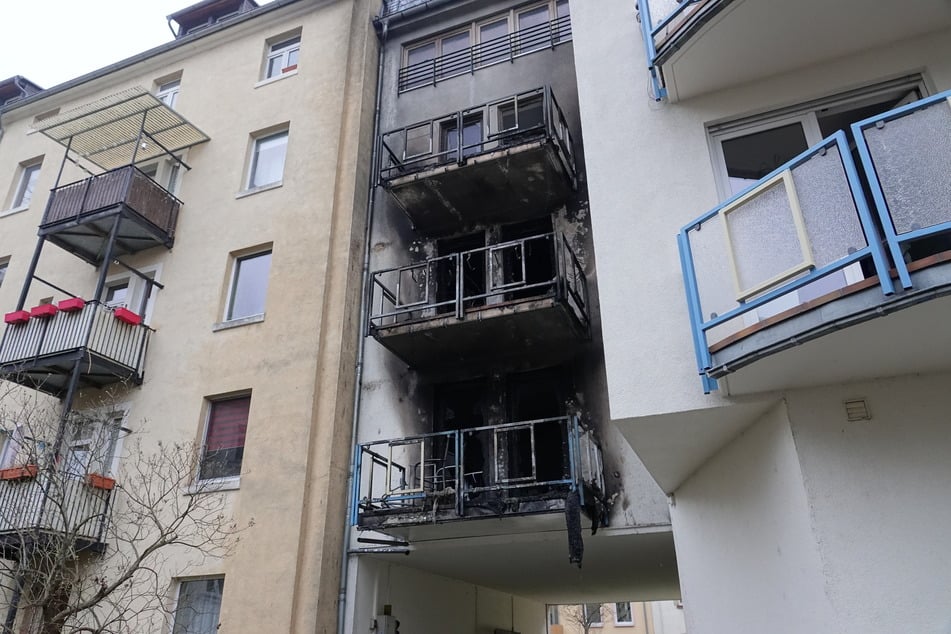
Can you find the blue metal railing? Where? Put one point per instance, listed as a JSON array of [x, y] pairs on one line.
[[890, 183], [750, 299], [409, 473]]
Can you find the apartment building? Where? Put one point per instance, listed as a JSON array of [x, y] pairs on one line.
[[769, 191], [179, 237], [487, 479]]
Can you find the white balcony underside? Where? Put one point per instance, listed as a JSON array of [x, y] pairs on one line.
[[754, 39]]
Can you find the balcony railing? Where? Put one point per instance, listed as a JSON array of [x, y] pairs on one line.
[[804, 234], [529, 116], [487, 53], [93, 330], [126, 186], [538, 459], [60, 504], [456, 284]]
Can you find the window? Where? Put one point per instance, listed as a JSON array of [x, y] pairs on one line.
[[225, 429], [116, 295], [592, 613], [471, 137], [25, 185], [131, 291], [248, 286], [164, 172], [167, 93], [282, 57], [92, 444], [4, 263], [267, 160], [623, 614], [199, 606]]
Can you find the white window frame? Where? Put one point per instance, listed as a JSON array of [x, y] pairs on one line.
[[584, 608], [630, 609], [137, 287], [280, 48], [168, 173], [167, 92], [94, 423], [4, 269], [234, 278], [224, 482], [180, 583], [27, 177], [257, 139]]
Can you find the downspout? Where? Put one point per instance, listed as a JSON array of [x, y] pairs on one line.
[[361, 346]]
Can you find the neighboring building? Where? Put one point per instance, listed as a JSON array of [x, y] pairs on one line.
[[626, 617], [484, 446], [203, 252], [807, 464]]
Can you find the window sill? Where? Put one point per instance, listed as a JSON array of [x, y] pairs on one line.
[[257, 190], [15, 210], [271, 80], [214, 486], [237, 323]]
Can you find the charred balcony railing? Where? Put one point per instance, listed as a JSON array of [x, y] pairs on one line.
[[53, 505], [497, 50], [150, 209], [456, 137], [804, 236], [113, 350], [479, 279], [451, 470]]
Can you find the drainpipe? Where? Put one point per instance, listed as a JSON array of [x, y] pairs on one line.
[[361, 346]]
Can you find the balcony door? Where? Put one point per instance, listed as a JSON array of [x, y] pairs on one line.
[[468, 253]]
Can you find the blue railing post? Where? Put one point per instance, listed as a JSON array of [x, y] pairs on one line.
[[647, 29]]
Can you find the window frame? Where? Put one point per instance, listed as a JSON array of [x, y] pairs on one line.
[[95, 423], [28, 175], [180, 584], [630, 610], [234, 279], [281, 48], [599, 623], [167, 92], [210, 403], [4, 269], [254, 152], [136, 288]]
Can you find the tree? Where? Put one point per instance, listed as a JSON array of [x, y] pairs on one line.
[[81, 552], [585, 616]]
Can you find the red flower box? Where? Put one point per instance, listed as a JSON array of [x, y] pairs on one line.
[[288, 69], [19, 473], [72, 304], [17, 317], [98, 481], [44, 310], [127, 316]]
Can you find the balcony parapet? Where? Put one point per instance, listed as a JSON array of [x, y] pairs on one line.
[[462, 167], [79, 215], [459, 475], [803, 249], [521, 297], [53, 506], [41, 351]]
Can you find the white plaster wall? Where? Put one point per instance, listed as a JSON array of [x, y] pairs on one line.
[[879, 494], [747, 557]]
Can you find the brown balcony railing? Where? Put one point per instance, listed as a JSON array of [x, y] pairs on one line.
[[57, 503], [127, 186]]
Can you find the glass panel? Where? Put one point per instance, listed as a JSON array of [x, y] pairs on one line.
[[3, 272], [117, 295], [751, 157], [455, 54], [292, 57], [622, 613], [274, 65], [712, 266], [268, 163], [199, 606], [423, 53], [418, 141], [912, 157], [764, 236], [493, 49], [250, 286], [533, 40], [27, 185]]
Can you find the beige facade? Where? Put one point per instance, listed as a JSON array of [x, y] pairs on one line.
[[296, 360]]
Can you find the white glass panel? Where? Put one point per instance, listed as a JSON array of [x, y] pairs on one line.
[[27, 184], [912, 157], [268, 163], [199, 606], [250, 286]]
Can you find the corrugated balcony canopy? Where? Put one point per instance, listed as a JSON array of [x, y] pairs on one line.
[[106, 131]]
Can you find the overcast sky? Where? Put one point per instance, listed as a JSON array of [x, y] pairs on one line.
[[52, 41]]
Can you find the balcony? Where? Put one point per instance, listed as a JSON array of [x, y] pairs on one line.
[[498, 162], [41, 352], [80, 217], [52, 506], [792, 282], [509, 470], [705, 45], [517, 301]]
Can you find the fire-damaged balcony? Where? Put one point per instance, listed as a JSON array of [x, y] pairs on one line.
[[37, 507], [521, 300], [120, 205], [698, 46], [497, 162], [508, 470], [796, 282], [41, 348]]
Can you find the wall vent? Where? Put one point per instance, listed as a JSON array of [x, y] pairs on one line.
[[856, 409]]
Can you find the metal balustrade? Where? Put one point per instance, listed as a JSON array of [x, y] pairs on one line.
[[497, 50], [478, 279], [57, 502], [526, 117], [408, 474]]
